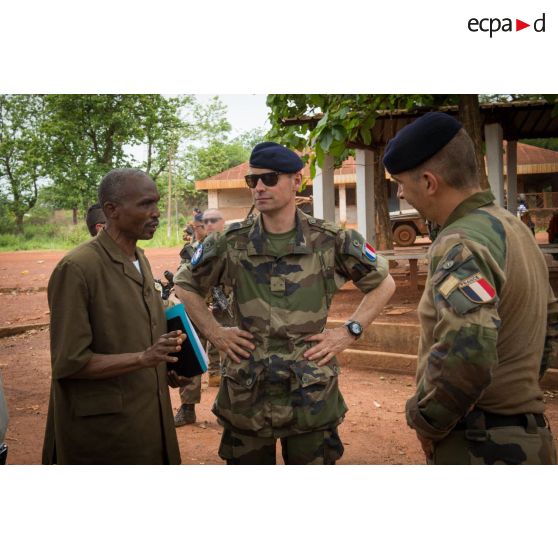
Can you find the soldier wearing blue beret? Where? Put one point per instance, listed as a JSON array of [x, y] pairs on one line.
[[478, 399], [280, 377]]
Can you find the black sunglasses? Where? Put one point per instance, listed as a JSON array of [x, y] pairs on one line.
[[211, 220], [268, 178]]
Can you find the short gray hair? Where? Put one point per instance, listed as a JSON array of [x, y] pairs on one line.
[[110, 189]]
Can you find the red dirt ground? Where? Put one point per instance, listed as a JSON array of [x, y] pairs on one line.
[[374, 430]]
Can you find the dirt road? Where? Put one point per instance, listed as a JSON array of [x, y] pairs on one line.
[[374, 430]]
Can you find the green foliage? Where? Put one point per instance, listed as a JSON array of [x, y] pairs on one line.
[[51, 236], [54, 150], [88, 136], [545, 143], [21, 154], [346, 121]]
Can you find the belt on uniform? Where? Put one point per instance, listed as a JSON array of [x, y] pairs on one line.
[[492, 420]]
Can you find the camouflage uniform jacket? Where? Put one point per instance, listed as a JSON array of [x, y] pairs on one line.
[[222, 316], [483, 319], [281, 300], [188, 251]]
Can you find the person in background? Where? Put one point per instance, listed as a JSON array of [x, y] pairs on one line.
[[95, 219]]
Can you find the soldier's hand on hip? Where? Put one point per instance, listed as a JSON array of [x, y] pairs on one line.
[[159, 352], [233, 341], [328, 344]]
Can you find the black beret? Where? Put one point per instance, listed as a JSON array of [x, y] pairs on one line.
[[271, 155], [420, 140]]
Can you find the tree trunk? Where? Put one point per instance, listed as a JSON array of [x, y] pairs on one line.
[[74, 215], [384, 235], [469, 114], [19, 223]]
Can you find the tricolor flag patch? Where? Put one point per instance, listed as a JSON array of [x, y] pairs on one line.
[[369, 252], [477, 289]]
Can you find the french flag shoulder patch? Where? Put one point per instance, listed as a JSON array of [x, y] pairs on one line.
[[369, 252], [477, 289]]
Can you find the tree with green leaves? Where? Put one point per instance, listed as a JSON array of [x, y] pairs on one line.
[[88, 135], [21, 153], [213, 151], [337, 124]]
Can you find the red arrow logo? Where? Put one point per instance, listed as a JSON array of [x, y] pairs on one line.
[[519, 25]]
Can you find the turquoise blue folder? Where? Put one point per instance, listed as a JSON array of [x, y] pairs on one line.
[[192, 358]]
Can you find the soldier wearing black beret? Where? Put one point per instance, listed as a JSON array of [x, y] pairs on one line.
[[478, 399]]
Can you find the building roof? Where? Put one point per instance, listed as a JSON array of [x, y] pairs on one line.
[[234, 177], [519, 120], [530, 160]]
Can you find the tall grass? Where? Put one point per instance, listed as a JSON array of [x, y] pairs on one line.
[[63, 236]]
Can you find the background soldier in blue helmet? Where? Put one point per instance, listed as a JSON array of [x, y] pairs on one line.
[[280, 377], [489, 318]]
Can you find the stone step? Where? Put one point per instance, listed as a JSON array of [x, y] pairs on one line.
[[393, 347]]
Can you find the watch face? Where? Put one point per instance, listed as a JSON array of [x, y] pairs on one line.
[[355, 328]]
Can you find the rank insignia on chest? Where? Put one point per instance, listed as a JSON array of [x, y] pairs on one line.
[[369, 252], [477, 289], [197, 255]]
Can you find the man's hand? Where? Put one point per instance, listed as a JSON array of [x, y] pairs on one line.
[[233, 341], [176, 381], [427, 446], [329, 343], [159, 352]]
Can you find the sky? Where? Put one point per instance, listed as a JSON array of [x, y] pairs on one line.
[[245, 112]]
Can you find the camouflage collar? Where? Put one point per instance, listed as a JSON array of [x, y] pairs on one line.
[[473, 202], [258, 243]]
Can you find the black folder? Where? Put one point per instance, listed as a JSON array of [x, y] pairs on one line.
[[192, 359]]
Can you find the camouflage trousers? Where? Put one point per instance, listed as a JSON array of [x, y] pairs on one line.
[[503, 445], [191, 392], [322, 447]]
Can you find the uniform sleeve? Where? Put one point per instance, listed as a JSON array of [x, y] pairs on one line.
[[207, 267], [465, 287], [551, 340], [357, 261], [70, 328]]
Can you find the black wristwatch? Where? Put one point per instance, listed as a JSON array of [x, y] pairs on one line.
[[354, 328]]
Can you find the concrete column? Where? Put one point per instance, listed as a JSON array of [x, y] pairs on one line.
[[366, 210], [342, 203], [494, 154], [324, 191], [511, 166]]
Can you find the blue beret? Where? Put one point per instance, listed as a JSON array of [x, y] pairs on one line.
[[420, 140], [271, 155]]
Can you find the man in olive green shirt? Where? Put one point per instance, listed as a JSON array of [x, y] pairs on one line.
[[109, 399]]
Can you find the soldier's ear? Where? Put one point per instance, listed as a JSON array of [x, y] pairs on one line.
[[431, 183]]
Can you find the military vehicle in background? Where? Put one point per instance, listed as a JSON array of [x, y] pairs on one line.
[[406, 225]]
